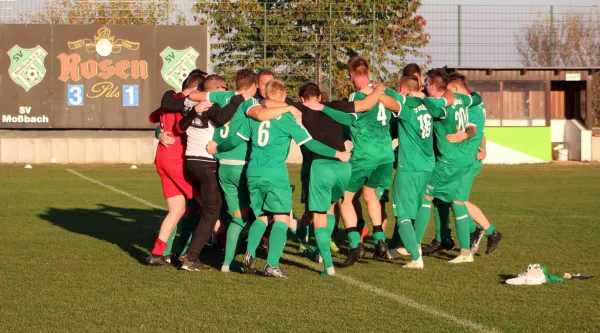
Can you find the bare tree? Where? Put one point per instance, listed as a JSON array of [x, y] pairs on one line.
[[569, 40]]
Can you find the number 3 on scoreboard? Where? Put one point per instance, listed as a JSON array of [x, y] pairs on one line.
[[75, 95], [131, 95]]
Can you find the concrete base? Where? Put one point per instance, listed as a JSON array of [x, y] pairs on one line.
[[135, 147], [77, 146]]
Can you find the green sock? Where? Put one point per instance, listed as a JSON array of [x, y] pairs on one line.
[[442, 221], [277, 240], [378, 234], [330, 225], [489, 230], [187, 225], [169, 247], [353, 237], [233, 234], [323, 236], [461, 215], [422, 220], [257, 230], [407, 232]]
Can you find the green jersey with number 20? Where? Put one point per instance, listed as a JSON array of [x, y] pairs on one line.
[[370, 135], [455, 154], [270, 141]]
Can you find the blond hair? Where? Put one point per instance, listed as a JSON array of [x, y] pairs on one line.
[[274, 86]]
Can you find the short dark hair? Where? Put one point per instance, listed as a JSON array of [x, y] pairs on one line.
[[264, 72], [410, 82], [309, 90], [411, 69], [213, 80], [438, 78], [194, 80], [358, 65], [244, 79], [457, 78]]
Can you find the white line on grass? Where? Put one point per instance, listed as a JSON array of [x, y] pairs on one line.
[[114, 189], [352, 281]]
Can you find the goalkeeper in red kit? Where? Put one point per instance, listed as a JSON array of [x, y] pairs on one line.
[[170, 166]]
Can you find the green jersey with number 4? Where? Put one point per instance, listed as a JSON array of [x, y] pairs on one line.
[[415, 153], [270, 142], [456, 115], [239, 153], [370, 135]]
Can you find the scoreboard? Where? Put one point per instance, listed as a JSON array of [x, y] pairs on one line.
[[93, 76]]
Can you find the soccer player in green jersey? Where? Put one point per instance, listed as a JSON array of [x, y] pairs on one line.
[[415, 163], [327, 178], [233, 164], [372, 160], [453, 162], [457, 83], [268, 178]]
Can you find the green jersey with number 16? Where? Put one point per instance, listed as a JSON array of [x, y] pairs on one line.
[[270, 141], [415, 151], [370, 135]]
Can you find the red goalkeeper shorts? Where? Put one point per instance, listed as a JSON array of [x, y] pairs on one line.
[[174, 181]]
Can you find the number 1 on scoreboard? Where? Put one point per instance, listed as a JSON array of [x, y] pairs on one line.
[[131, 95]]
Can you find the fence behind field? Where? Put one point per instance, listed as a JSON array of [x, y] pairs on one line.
[[305, 40]]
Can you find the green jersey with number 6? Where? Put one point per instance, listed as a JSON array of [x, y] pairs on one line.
[[270, 142], [415, 153], [239, 153], [455, 154], [370, 135]]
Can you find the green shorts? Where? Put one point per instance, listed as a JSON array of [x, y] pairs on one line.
[[270, 195], [235, 187], [328, 183], [464, 188], [445, 181], [373, 177], [409, 191]]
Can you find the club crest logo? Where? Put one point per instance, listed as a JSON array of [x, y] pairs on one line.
[[27, 66], [177, 64], [104, 43]]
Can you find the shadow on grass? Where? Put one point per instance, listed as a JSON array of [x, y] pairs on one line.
[[133, 230], [503, 277]]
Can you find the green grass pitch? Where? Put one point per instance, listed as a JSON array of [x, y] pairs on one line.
[[72, 252]]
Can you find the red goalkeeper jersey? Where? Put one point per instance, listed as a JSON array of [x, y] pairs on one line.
[[169, 122]]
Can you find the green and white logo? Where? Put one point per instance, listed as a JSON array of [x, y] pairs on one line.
[[27, 66], [177, 64]]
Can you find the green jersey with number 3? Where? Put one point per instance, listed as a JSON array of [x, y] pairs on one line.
[[370, 135], [455, 154], [270, 142], [415, 153], [239, 153]]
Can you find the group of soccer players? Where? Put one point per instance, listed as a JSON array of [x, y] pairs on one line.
[[222, 162]]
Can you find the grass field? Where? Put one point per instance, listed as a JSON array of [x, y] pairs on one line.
[[72, 253]]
